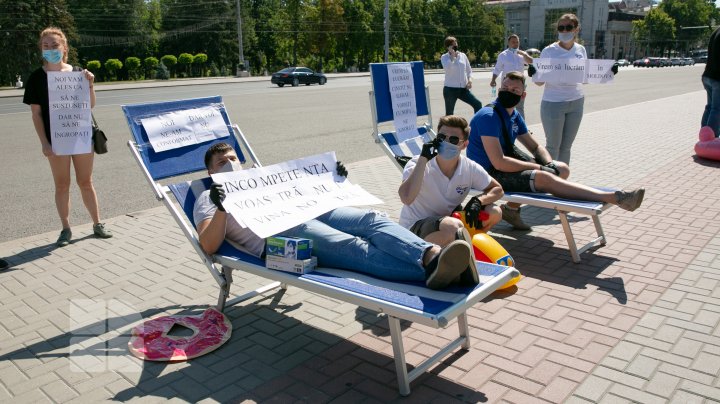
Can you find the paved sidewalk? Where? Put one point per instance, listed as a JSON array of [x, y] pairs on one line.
[[636, 321]]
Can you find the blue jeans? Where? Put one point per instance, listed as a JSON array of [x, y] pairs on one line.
[[452, 94], [711, 116], [364, 241], [561, 122]]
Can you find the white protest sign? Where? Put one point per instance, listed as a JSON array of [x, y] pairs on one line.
[[573, 71], [182, 128], [70, 113], [270, 199], [402, 99]]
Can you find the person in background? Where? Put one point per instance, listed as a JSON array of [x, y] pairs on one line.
[[511, 59], [711, 82], [458, 78], [54, 48]]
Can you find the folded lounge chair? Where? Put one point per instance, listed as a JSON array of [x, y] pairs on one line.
[[401, 151], [398, 300]]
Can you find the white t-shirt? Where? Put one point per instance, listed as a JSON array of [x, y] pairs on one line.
[[439, 194], [508, 61], [563, 92], [241, 238], [457, 73]]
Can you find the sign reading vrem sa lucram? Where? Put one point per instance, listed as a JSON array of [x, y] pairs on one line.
[[183, 128], [270, 199], [573, 71], [402, 98], [70, 113]]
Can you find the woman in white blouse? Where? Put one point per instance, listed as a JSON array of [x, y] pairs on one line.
[[458, 78], [561, 110]]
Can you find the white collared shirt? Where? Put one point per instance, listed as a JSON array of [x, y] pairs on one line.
[[508, 61], [458, 72]]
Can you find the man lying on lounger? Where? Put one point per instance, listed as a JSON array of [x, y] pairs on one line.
[[494, 130], [346, 238]]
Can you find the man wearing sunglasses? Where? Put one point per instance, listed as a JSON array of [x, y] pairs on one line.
[[439, 179], [495, 129]]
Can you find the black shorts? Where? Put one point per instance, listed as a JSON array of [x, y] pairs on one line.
[[520, 181], [423, 227]]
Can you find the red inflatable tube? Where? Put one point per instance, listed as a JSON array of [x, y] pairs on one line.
[[150, 341], [708, 146]]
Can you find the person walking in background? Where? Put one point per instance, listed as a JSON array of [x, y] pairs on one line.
[[458, 78], [54, 48], [711, 82], [511, 59], [561, 110]]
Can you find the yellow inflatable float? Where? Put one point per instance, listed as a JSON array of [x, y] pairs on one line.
[[487, 249]]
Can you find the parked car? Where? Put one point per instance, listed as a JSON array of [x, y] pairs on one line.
[[623, 62], [677, 62], [296, 76], [639, 62], [689, 61]]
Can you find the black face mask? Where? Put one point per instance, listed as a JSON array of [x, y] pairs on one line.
[[508, 99]]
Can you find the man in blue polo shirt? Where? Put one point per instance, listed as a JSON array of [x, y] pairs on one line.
[[494, 130]]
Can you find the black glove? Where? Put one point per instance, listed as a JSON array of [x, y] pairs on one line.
[[551, 168], [614, 68], [341, 170], [531, 70], [217, 195], [472, 213], [430, 149]]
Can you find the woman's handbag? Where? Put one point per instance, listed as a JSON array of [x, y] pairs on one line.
[[99, 138]]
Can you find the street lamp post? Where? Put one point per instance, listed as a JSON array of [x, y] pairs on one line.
[[387, 30], [241, 55]]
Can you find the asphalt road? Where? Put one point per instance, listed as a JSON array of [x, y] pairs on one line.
[[280, 123]]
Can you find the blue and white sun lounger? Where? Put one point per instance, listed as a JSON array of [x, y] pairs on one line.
[[381, 108], [398, 300]]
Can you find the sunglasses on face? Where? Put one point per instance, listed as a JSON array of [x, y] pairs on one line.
[[452, 139], [563, 28]]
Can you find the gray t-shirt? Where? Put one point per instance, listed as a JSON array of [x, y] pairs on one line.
[[241, 238]]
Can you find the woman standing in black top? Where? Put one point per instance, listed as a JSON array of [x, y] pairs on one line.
[[54, 48]]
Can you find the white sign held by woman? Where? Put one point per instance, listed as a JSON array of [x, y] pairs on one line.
[[573, 71], [70, 113]]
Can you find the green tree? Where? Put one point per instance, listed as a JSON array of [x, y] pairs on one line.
[[150, 64], [112, 66], [200, 59], [21, 22], [186, 60], [656, 31], [132, 65], [693, 21], [169, 61]]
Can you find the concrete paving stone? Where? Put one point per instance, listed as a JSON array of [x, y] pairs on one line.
[[687, 347], [685, 373], [634, 395], [686, 398], [643, 366], [669, 334], [33, 396], [689, 325], [23, 387], [619, 377], [517, 383], [703, 390], [558, 390], [544, 372], [507, 365], [59, 392], [556, 346], [707, 317], [614, 363], [706, 363], [593, 352]]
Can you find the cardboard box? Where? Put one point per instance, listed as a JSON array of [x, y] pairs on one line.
[[291, 265], [289, 247]]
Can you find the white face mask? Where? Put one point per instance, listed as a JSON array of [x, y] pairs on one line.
[[230, 166], [565, 37], [513, 50]]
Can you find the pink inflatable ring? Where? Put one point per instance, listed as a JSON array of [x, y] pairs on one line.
[[150, 341], [708, 146]]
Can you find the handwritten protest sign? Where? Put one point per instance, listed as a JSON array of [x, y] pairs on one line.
[[270, 199], [573, 71], [402, 98], [182, 128], [70, 113]]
